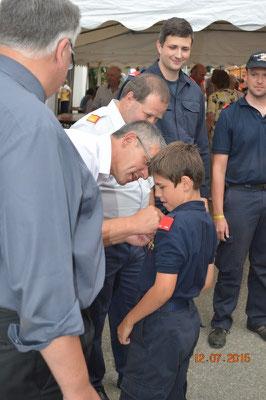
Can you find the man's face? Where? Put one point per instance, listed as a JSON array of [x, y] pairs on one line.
[[171, 196], [199, 74], [175, 52], [113, 76], [150, 110], [256, 81], [134, 160]]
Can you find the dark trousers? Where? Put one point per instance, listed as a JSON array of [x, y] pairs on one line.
[[117, 298], [64, 107], [26, 376], [245, 212], [159, 353]]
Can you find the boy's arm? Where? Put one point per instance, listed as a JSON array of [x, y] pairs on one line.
[[209, 278], [157, 296]]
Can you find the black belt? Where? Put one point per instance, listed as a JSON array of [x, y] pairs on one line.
[[248, 186]]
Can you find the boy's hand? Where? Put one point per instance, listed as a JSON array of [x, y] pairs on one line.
[[123, 332]]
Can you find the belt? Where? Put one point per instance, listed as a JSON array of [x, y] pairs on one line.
[[174, 305], [248, 186]]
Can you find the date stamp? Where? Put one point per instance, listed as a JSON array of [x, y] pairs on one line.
[[224, 358]]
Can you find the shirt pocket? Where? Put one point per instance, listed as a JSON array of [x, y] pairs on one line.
[[191, 111]]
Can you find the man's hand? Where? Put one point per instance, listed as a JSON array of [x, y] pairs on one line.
[[222, 229], [139, 240], [147, 220], [123, 331]]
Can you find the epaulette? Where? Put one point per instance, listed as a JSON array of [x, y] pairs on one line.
[[166, 223], [93, 118], [227, 105]]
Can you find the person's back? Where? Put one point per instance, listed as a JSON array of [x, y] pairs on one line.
[[177, 267]]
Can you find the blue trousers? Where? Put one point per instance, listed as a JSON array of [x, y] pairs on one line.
[[158, 359], [245, 212], [117, 298]]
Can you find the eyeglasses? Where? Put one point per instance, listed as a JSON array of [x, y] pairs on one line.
[[72, 62], [144, 147]]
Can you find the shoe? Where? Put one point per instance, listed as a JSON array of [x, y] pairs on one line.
[[260, 330], [217, 338], [119, 381], [101, 392]]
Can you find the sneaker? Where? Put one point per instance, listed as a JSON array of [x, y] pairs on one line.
[[260, 330], [101, 393], [217, 338]]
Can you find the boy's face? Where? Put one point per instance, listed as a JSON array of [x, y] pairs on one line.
[[171, 196]]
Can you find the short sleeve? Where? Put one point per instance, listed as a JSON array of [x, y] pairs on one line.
[[170, 253]]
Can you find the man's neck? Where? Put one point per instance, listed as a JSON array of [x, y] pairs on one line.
[[257, 102], [170, 75], [113, 87]]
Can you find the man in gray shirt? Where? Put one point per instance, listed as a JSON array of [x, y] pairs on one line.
[[51, 252]]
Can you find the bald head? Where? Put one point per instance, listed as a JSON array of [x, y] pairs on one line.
[[113, 76], [198, 73]]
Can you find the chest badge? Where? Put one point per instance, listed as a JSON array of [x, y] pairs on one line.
[[166, 223], [93, 118]]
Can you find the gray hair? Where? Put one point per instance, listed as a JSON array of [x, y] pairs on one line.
[[147, 132], [34, 27], [145, 84]]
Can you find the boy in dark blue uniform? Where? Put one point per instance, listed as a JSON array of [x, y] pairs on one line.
[[178, 266]]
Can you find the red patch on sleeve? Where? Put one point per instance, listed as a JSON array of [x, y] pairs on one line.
[[227, 105], [166, 223]]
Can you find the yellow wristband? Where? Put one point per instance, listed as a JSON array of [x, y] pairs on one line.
[[218, 216]]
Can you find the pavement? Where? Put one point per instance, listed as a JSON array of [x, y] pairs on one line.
[[216, 378]]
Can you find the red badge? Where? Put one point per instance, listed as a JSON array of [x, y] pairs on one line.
[[227, 105], [166, 223], [93, 118]]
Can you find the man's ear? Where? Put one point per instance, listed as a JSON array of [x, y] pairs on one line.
[[128, 139], [129, 97], [187, 183], [61, 51], [159, 46]]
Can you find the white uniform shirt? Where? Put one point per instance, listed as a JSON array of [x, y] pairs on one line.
[[118, 201], [95, 152]]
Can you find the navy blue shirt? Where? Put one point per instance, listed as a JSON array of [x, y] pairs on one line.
[[51, 251], [184, 119], [186, 249], [240, 132]]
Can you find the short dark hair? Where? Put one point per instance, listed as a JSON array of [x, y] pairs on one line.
[[220, 78], [175, 27], [179, 159], [145, 84]]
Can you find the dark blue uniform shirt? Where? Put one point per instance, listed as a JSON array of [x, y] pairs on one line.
[[240, 133], [184, 119], [186, 249]]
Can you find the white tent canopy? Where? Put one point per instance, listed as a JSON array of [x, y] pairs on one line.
[[124, 32]]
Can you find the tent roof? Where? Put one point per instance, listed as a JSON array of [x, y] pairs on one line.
[[125, 33]]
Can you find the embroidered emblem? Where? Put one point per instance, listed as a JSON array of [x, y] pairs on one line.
[[166, 223], [93, 118]]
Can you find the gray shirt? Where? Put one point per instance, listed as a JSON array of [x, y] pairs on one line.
[[51, 251]]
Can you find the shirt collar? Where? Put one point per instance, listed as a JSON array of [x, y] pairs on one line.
[[190, 205], [114, 114], [104, 152], [23, 76]]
